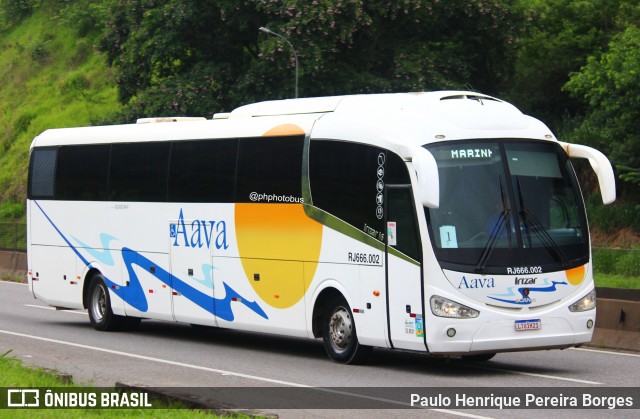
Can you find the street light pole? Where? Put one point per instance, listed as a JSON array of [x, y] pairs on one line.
[[295, 53]]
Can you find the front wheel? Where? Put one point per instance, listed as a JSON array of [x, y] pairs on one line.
[[100, 313], [339, 333]]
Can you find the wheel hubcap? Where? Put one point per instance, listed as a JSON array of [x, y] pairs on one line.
[[99, 303], [340, 328]]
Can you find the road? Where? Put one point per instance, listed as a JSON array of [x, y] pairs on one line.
[[164, 354]]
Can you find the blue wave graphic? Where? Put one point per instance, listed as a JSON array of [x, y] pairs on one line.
[[219, 307], [104, 256], [510, 291], [525, 300], [206, 272], [134, 295]]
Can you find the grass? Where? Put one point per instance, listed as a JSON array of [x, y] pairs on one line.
[[14, 374], [50, 77], [13, 236], [616, 281], [9, 277]]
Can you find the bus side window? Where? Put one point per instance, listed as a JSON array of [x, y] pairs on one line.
[[347, 180], [270, 170], [203, 171], [401, 211], [82, 172], [42, 173], [138, 172]]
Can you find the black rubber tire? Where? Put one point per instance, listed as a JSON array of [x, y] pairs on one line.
[[339, 333], [99, 307]]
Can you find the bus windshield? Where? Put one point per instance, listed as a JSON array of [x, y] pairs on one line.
[[504, 204]]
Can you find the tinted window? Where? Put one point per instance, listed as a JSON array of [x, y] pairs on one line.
[[506, 203], [402, 219], [139, 172], [203, 171], [82, 172], [270, 170], [42, 173], [347, 180]]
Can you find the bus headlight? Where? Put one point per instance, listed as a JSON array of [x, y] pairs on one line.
[[588, 302], [443, 307]]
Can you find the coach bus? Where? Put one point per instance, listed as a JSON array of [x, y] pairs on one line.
[[447, 223]]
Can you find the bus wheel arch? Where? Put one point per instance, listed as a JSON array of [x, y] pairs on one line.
[[333, 320], [86, 285], [98, 303], [319, 309]]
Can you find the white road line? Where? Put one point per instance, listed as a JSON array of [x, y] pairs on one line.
[[489, 368], [84, 313], [13, 282], [604, 351], [531, 374], [223, 372], [148, 358]]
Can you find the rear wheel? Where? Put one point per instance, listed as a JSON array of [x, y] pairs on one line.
[[100, 313], [339, 333]]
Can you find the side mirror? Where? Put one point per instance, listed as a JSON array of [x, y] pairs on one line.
[[600, 165], [428, 180]]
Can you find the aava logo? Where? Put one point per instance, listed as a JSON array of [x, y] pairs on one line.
[[476, 283], [199, 233]]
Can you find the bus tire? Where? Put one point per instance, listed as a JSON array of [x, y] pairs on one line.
[[339, 333], [100, 314]]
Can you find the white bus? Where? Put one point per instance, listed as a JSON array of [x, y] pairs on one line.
[[447, 223]]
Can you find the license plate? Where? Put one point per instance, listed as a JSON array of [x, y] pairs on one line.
[[524, 325]]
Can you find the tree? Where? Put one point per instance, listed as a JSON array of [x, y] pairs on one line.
[[177, 56], [610, 85], [561, 35]]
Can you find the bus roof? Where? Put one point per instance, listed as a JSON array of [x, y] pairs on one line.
[[397, 121], [402, 120]]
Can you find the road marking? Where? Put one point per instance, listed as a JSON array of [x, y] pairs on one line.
[[529, 374], [69, 310], [532, 374], [223, 372], [603, 351], [148, 358], [12, 282]]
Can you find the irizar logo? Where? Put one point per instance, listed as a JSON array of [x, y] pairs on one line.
[[525, 281], [199, 233], [476, 283]]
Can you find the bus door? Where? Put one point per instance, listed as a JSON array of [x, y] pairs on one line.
[[405, 302], [191, 279]]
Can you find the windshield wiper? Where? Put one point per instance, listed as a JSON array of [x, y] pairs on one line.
[[503, 221], [533, 225]]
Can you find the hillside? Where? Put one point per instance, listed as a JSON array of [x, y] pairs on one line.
[[53, 75], [50, 77]]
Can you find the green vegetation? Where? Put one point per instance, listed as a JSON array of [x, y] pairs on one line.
[[573, 64], [49, 77], [9, 277], [616, 281], [624, 263], [14, 374], [13, 236], [78, 62]]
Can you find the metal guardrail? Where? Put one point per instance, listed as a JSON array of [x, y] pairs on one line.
[[13, 237]]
